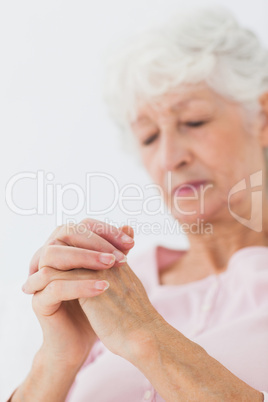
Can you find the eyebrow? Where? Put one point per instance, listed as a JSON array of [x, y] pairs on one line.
[[181, 103], [141, 119]]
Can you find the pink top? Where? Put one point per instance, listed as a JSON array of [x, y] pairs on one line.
[[226, 313]]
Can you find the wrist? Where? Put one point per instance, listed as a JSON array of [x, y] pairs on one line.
[[47, 357], [160, 343], [145, 342], [49, 379]]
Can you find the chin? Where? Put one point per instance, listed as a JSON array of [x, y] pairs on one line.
[[215, 209]]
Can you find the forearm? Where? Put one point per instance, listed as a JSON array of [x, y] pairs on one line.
[[48, 380], [181, 370]]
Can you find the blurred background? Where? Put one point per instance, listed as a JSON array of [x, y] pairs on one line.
[[54, 121]]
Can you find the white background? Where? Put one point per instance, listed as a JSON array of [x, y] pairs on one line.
[[53, 120]]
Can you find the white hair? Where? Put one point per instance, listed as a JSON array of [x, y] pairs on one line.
[[205, 45]]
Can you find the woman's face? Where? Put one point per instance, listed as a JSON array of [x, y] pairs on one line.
[[196, 135]]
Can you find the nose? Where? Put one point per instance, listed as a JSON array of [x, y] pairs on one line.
[[174, 152]]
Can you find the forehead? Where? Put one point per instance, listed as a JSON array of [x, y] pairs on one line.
[[172, 102]]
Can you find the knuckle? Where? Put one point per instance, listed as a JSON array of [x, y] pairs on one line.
[[81, 228], [88, 222], [91, 224], [52, 242], [53, 287], [63, 234], [45, 254], [90, 234], [45, 273], [99, 227], [66, 238]]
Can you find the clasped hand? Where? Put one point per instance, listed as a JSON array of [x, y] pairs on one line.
[[69, 296]]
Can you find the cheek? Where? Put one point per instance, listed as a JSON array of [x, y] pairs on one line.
[[222, 150], [224, 155]]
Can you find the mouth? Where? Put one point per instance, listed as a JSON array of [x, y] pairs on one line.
[[188, 188]]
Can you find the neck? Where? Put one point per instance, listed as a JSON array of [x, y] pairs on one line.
[[212, 251]]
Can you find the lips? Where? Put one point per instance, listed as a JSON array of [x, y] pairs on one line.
[[188, 187]]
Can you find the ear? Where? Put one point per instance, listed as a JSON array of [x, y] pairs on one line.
[[264, 123]]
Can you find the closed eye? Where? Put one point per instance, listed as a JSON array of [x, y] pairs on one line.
[[195, 123], [153, 137], [149, 140]]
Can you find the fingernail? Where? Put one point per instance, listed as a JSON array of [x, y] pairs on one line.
[[101, 285], [120, 257], [106, 258], [126, 239]]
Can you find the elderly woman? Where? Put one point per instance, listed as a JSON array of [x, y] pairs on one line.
[[174, 325]]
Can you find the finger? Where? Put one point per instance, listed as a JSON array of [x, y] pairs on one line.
[[62, 236], [48, 301], [33, 267], [129, 231], [40, 279], [52, 240], [83, 238], [65, 258], [111, 233]]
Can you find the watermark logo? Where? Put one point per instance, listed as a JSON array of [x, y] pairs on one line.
[[255, 221], [140, 227], [49, 198]]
